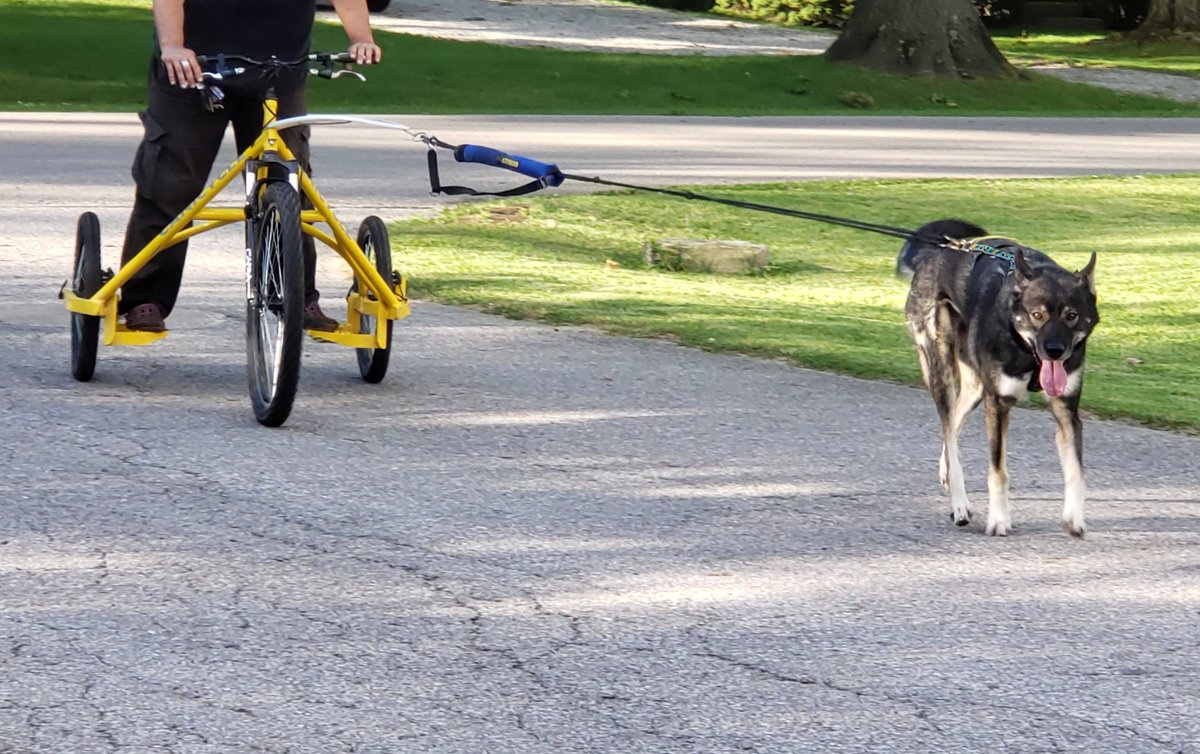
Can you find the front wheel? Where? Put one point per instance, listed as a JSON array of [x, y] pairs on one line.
[[373, 240], [85, 281], [275, 304]]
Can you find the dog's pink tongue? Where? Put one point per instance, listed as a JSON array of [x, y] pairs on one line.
[[1053, 378]]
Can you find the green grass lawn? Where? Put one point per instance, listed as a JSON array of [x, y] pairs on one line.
[[1105, 50], [831, 299], [101, 51]]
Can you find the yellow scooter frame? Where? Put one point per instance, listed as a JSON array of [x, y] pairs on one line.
[[387, 301]]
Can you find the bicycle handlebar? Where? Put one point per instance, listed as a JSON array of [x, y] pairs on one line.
[[317, 57], [226, 65], [222, 62]]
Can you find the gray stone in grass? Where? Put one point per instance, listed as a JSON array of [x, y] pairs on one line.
[[726, 257]]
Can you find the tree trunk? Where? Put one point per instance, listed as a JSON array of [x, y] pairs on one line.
[[920, 38], [1166, 18]]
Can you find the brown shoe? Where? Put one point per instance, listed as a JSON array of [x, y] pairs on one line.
[[146, 318], [315, 319]]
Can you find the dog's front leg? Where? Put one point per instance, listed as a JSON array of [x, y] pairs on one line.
[[968, 398], [1069, 439], [999, 518]]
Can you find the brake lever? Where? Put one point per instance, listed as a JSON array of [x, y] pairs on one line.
[[329, 73], [214, 97]]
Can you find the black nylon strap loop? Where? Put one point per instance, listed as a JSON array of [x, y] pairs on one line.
[[435, 183], [436, 187]]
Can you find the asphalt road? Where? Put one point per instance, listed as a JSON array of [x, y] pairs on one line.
[[539, 539]]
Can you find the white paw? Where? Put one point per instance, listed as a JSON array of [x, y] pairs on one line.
[[1074, 527], [960, 515], [998, 527]]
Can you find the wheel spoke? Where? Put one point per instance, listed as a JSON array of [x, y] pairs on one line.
[[270, 303]]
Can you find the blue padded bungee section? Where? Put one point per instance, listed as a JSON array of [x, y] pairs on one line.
[[546, 172]]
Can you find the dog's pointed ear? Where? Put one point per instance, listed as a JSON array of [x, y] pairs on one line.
[[1025, 271], [1088, 274]]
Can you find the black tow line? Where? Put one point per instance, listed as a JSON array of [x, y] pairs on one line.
[[886, 230], [547, 174]]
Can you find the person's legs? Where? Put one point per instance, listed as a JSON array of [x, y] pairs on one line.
[[170, 169]]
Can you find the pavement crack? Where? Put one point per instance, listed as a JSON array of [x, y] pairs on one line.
[[773, 674]]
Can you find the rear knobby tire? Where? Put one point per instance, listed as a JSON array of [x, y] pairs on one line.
[[373, 240], [85, 281], [275, 304]]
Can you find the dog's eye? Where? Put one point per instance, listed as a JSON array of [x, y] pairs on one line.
[[1069, 316], [1037, 314]]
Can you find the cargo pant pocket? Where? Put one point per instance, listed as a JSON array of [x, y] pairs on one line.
[[145, 160]]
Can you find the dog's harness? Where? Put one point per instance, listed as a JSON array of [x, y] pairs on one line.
[[992, 246]]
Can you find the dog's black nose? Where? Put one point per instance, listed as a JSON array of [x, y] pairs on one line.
[[1055, 350]]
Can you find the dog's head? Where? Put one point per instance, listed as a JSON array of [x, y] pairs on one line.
[[1054, 311]]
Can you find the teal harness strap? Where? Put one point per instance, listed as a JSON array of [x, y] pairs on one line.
[[978, 245]]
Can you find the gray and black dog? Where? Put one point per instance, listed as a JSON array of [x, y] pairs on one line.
[[1004, 319]]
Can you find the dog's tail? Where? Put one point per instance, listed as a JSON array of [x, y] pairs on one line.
[[926, 237]]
